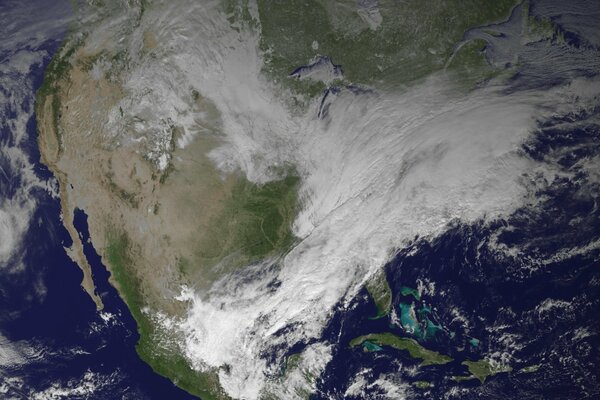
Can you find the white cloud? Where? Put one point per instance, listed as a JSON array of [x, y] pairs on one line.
[[377, 170], [23, 28]]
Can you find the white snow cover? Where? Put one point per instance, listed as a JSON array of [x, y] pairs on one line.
[[378, 169]]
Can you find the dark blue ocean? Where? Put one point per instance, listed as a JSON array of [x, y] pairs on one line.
[[522, 291]]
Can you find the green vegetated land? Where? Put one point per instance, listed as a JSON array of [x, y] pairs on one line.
[[292, 362], [530, 369], [469, 65], [165, 359], [539, 28], [255, 223], [481, 370], [380, 292], [56, 72], [414, 39], [414, 349], [422, 384]]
